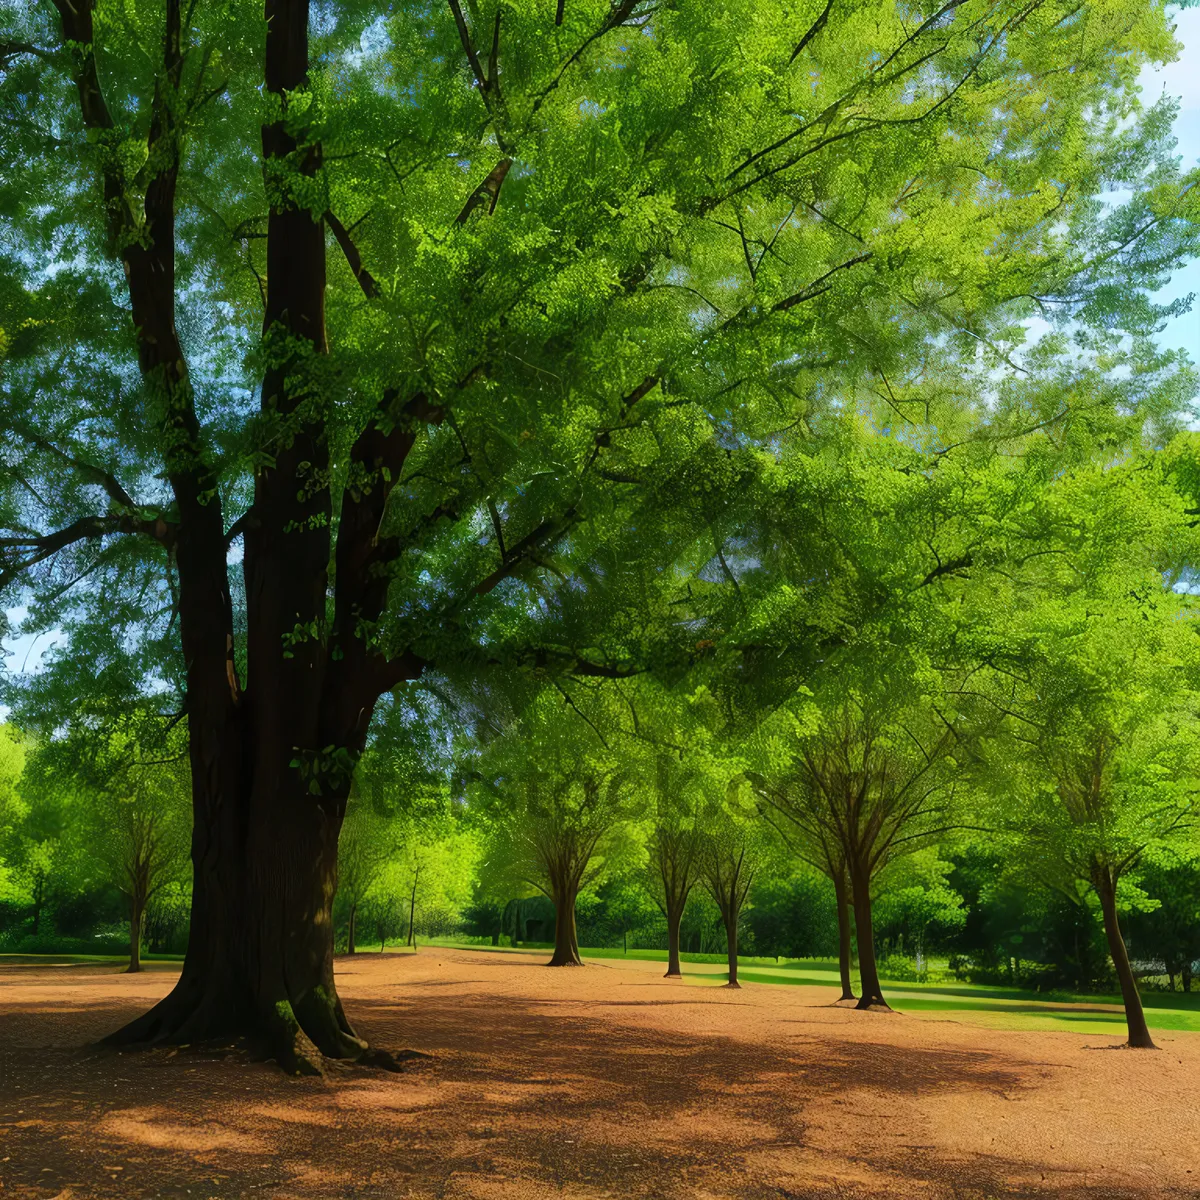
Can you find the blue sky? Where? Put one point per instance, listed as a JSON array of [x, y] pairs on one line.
[[1180, 78]]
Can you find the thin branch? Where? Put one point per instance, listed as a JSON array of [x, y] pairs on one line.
[[816, 28]]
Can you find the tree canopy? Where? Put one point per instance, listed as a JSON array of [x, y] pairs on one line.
[[377, 379]]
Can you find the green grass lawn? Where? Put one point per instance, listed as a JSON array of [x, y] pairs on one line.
[[988, 1005]]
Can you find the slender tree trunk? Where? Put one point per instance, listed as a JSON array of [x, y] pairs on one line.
[[625, 940], [1135, 1016], [566, 948], [412, 912], [840, 890], [731, 946], [872, 993], [1187, 977], [350, 946], [674, 917], [137, 906]]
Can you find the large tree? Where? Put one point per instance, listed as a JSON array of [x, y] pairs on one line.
[[428, 320]]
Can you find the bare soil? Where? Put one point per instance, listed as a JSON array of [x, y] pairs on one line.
[[585, 1083]]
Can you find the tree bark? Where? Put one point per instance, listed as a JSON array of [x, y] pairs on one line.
[[840, 890], [137, 907], [412, 910], [270, 765], [731, 944], [1105, 883], [39, 900], [350, 947], [860, 883], [566, 947], [674, 917]]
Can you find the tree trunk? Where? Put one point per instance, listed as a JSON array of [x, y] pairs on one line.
[[412, 911], [259, 961], [1135, 1016], [350, 947], [270, 764], [872, 993], [566, 948], [1187, 977], [625, 941], [844, 944], [674, 917], [731, 943], [137, 906]]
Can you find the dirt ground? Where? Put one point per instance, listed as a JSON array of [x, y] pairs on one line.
[[602, 1081]]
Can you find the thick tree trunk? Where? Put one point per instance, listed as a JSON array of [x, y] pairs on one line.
[[872, 993], [840, 890], [1135, 1016], [270, 764], [566, 948], [350, 947], [731, 946], [259, 961]]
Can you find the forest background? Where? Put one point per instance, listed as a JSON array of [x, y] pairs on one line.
[[890, 656]]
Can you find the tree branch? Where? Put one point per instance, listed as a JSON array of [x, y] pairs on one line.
[[814, 29], [341, 234]]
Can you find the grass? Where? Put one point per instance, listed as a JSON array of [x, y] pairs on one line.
[[94, 960], [992, 1006]]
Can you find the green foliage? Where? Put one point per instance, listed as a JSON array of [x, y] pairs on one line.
[[728, 454]]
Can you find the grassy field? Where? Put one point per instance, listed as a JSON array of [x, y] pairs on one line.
[[991, 1006]]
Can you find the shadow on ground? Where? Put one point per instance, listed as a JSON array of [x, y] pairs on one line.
[[524, 1098]]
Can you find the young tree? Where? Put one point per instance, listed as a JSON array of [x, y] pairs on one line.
[[675, 847], [562, 208], [732, 850], [560, 807], [135, 834], [820, 847], [1098, 747], [872, 781], [369, 841]]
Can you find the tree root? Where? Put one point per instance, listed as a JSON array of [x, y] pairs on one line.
[[276, 1034]]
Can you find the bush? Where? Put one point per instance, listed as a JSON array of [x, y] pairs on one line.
[[902, 969], [55, 943]]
